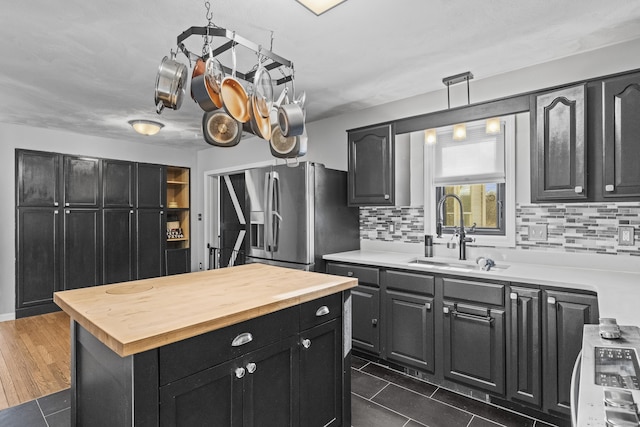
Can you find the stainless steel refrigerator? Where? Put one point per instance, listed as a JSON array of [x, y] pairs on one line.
[[295, 215]]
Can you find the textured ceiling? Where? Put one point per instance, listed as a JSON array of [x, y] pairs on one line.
[[90, 66]]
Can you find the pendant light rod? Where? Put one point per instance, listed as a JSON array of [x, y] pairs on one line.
[[458, 78]]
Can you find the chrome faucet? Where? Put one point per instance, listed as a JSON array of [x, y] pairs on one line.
[[461, 233]]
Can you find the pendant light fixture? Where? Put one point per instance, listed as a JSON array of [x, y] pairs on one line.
[[459, 130], [146, 127]]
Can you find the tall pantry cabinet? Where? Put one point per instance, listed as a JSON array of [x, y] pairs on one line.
[[83, 221]]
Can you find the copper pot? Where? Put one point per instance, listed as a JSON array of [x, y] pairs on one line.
[[201, 91]]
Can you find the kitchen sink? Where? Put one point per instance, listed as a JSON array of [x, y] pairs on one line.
[[460, 266]]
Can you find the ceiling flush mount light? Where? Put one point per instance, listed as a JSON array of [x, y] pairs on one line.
[[320, 6], [430, 136], [459, 132], [492, 126], [146, 127]]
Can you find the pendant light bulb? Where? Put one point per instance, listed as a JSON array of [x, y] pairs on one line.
[[430, 136], [459, 132]]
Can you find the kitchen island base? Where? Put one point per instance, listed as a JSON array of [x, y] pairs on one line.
[[286, 368]]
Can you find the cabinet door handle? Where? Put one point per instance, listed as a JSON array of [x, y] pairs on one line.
[[374, 322], [386, 197], [428, 306], [609, 188], [55, 203], [242, 339], [67, 211], [445, 310], [161, 212], [578, 189], [251, 367], [55, 212], [551, 300], [67, 204], [513, 296], [306, 343], [240, 372], [131, 212], [350, 273], [322, 311]]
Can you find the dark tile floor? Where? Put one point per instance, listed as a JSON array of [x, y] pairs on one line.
[[381, 397]]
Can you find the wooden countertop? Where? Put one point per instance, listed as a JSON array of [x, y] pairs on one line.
[[133, 317]]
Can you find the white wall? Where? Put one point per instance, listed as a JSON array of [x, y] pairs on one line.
[[23, 137]]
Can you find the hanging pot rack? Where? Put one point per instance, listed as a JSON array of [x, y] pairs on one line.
[[231, 38]]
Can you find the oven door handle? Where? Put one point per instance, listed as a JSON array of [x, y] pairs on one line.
[[575, 386]]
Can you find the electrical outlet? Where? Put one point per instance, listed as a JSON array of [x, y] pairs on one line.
[[625, 236], [392, 228], [538, 232]]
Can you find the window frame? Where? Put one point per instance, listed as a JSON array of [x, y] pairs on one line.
[[480, 231]]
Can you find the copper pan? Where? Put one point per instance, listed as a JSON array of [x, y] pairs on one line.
[[234, 96]]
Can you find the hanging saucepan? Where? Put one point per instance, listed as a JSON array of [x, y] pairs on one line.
[[214, 74], [260, 125], [287, 147], [220, 129], [206, 98], [170, 84], [291, 115], [234, 96], [262, 96]]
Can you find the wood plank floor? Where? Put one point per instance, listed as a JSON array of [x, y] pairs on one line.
[[34, 358]]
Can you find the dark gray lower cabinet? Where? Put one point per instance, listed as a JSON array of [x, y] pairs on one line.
[[474, 345], [257, 389], [150, 242], [177, 261], [38, 257], [410, 327], [118, 254], [565, 315], [365, 318], [524, 346], [81, 248]]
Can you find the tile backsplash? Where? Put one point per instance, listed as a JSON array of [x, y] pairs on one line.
[[571, 227]]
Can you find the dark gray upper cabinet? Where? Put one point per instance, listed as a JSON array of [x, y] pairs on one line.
[[524, 346], [558, 157], [38, 177], [371, 166], [151, 189], [81, 182], [117, 184], [621, 133]]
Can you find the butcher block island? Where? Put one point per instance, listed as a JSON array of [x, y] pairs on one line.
[[252, 345]]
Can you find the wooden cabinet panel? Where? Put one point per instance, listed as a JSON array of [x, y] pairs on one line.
[[38, 179], [117, 184], [81, 266], [474, 346], [150, 240], [320, 375], [118, 250], [410, 329], [524, 346], [565, 315], [558, 160], [621, 131], [81, 182], [151, 181], [371, 166], [38, 256]]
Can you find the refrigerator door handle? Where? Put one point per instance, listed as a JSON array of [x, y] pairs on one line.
[[275, 206], [268, 197]]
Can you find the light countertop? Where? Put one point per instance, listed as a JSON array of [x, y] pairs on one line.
[[618, 292], [133, 317]]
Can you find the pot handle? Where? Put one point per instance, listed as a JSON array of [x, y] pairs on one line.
[[159, 107]]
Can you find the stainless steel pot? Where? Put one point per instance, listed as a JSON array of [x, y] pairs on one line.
[[221, 130], [170, 84]]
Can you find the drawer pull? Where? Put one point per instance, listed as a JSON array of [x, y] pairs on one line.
[[306, 343], [242, 339], [251, 367], [322, 311], [240, 372], [609, 188], [513, 296]]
